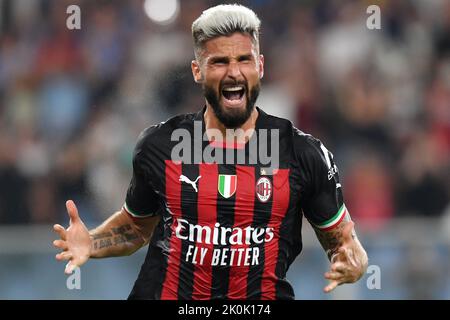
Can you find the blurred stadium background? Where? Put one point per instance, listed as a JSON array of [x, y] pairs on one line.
[[72, 104]]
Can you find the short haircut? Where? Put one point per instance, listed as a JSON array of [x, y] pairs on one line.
[[224, 20]]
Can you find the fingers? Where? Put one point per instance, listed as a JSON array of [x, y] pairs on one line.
[[72, 211], [70, 266], [351, 258], [346, 254], [65, 255], [337, 272], [60, 230], [331, 286], [336, 276], [333, 275], [338, 267], [347, 231], [61, 244]]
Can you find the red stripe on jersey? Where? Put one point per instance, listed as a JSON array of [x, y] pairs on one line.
[[243, 217], [233, 182], [206, 216], [279, 208], [173, 197]]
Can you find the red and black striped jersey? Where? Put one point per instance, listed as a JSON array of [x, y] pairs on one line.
[[229, 229]]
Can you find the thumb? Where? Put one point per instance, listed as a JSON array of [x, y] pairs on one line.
[[72, 211], [347, 231]]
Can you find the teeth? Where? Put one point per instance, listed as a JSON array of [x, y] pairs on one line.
[[233, 88]]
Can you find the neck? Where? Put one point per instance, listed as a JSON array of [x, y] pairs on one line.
[[212, 122]]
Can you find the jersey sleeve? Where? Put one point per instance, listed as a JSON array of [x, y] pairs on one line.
[[141, 199], [321, 196]]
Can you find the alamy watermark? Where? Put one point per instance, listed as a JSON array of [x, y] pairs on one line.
[[374, 20], [263, 146], [373, 281], [74, 280], [73, 21]]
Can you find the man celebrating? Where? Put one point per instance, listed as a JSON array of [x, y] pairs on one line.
[[221, 217]]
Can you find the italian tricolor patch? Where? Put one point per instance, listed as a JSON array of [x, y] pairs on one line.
[[335, 220], [227, 185]]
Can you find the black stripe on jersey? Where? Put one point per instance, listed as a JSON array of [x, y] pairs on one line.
[[261, 216], [287, 252], [188, 212], [148, 285], [225, 216]]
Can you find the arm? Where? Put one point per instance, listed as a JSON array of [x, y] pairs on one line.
[[347, 256], [119, 235], [125, 231], [323, 206]]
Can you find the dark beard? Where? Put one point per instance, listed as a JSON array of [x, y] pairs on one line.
[[232, 119]]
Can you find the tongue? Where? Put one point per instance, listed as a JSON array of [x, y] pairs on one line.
[[232, 95]]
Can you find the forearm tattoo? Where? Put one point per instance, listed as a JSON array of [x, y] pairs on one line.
[[331, 240], [116, 236]]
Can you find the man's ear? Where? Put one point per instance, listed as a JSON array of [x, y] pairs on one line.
[[261, 66], [196, 71]]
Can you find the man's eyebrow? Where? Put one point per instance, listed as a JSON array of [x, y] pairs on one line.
[[226, 59], [245, 56], [218, 59]]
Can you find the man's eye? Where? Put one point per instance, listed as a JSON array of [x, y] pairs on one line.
[[244, 59]]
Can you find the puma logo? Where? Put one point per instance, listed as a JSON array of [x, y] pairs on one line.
[[183, 178]]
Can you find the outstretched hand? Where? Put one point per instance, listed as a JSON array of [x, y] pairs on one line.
[[349, 263], [75, 241]]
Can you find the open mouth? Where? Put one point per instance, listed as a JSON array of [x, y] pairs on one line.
[[233, 94]]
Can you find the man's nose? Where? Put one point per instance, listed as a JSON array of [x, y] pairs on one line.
[[234, 71]]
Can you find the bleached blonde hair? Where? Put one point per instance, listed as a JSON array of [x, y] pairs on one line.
[[224, 20]]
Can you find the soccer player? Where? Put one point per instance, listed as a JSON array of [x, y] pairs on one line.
[[221, 214]]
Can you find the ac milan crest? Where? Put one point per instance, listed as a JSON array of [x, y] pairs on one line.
[[263, 189]]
